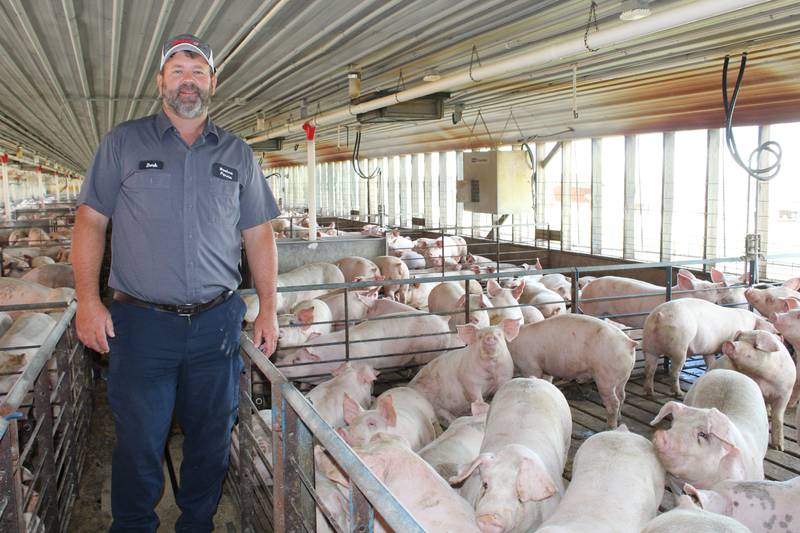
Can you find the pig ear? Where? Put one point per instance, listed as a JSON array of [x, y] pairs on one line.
[[367, 299], [732, 464], [466, 470], [699, 497], [516, 292], [721, 427], [685, 503], [328, 467], [367, 374], [623, 428], [395, 232], [481, 408], [341, 369], [538, 265], [421, 245], [669, 408], [476, 269], [510, 328], [737, 335], [467, 333], [306, 316], [351, 409], [789, 303], [386, 410], [767, 342], [793, 284], [533, 482], [718, 277], [439, 243], [344, 434], [493, 288], [305, 356], [728, 348], [686, 280]]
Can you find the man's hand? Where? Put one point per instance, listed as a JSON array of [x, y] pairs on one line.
[[94, 325], [265, 332]]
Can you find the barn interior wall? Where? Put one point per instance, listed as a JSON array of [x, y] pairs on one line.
[[652, 197]]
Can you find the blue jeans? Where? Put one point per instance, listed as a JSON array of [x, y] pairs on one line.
[[162, 362]]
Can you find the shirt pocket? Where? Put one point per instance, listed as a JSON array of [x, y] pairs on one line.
[[150, 192], [224, 197]]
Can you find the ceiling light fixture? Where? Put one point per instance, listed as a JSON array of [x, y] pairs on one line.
[[635, 10], [431, 75]]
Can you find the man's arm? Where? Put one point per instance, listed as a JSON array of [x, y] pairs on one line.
[[93, 321], [262, 258]]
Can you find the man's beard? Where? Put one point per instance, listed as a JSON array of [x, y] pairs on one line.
[[187, 106]]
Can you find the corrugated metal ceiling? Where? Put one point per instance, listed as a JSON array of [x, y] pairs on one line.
[[71, 69]]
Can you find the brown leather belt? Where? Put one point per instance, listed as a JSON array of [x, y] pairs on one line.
[[180, 310]]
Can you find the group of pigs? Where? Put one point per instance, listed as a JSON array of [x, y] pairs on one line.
[[498, 467], [507, 466], [36, 255]]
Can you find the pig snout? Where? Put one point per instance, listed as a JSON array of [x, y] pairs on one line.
[[490, 523]]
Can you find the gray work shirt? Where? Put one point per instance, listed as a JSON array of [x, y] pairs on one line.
[[177, 210]]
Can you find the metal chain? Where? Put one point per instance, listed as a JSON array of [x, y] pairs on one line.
[[592, 18]]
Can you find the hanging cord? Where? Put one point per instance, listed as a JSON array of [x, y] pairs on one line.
[[356, 166], [771, 147], [532, 163], [592, 18], [274, 174]]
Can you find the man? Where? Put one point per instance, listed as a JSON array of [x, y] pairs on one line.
[[182, 193]]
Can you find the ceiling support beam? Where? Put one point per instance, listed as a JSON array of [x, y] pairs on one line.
[[77, 50], [29, 32], [547, 53]]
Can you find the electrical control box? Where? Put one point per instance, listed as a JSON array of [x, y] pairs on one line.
[[496, 182]]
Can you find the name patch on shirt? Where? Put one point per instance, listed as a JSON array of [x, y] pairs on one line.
[[151, 165], [225, 173]]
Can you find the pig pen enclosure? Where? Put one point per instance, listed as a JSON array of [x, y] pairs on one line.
[[273, 457], [456, 163]]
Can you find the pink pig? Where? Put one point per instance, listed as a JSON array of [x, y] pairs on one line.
[[457, 379]]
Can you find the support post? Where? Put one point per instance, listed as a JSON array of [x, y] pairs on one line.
[[762, 202], [6, 191], [628, 230], [567, 184], [597, 196], [667, 195], [712, 195], [301, 510], [312, 185], [459, 177], [427, 189]]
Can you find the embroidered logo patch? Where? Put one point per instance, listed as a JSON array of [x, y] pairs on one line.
[[223, 172], [151, 165]]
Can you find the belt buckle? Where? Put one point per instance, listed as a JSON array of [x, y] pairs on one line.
[[185, 310]]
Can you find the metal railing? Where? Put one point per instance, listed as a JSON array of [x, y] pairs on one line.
[[45, 420], [291, 502], [285, 499]]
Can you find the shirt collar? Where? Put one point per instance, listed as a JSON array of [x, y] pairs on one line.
[[163, 125]]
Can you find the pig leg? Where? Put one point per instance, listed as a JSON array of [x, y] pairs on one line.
[[796, 390], [677, 360], [650, 364], [620, 391], [776, 437], [611, 403], [709, 359]]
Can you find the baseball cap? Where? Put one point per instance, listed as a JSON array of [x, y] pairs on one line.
[[188, 43]]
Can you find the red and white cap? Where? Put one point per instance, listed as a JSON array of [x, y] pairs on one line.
[[187, 42]]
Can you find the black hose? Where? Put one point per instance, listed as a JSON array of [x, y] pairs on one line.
[[772, 147], [356, 166]]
